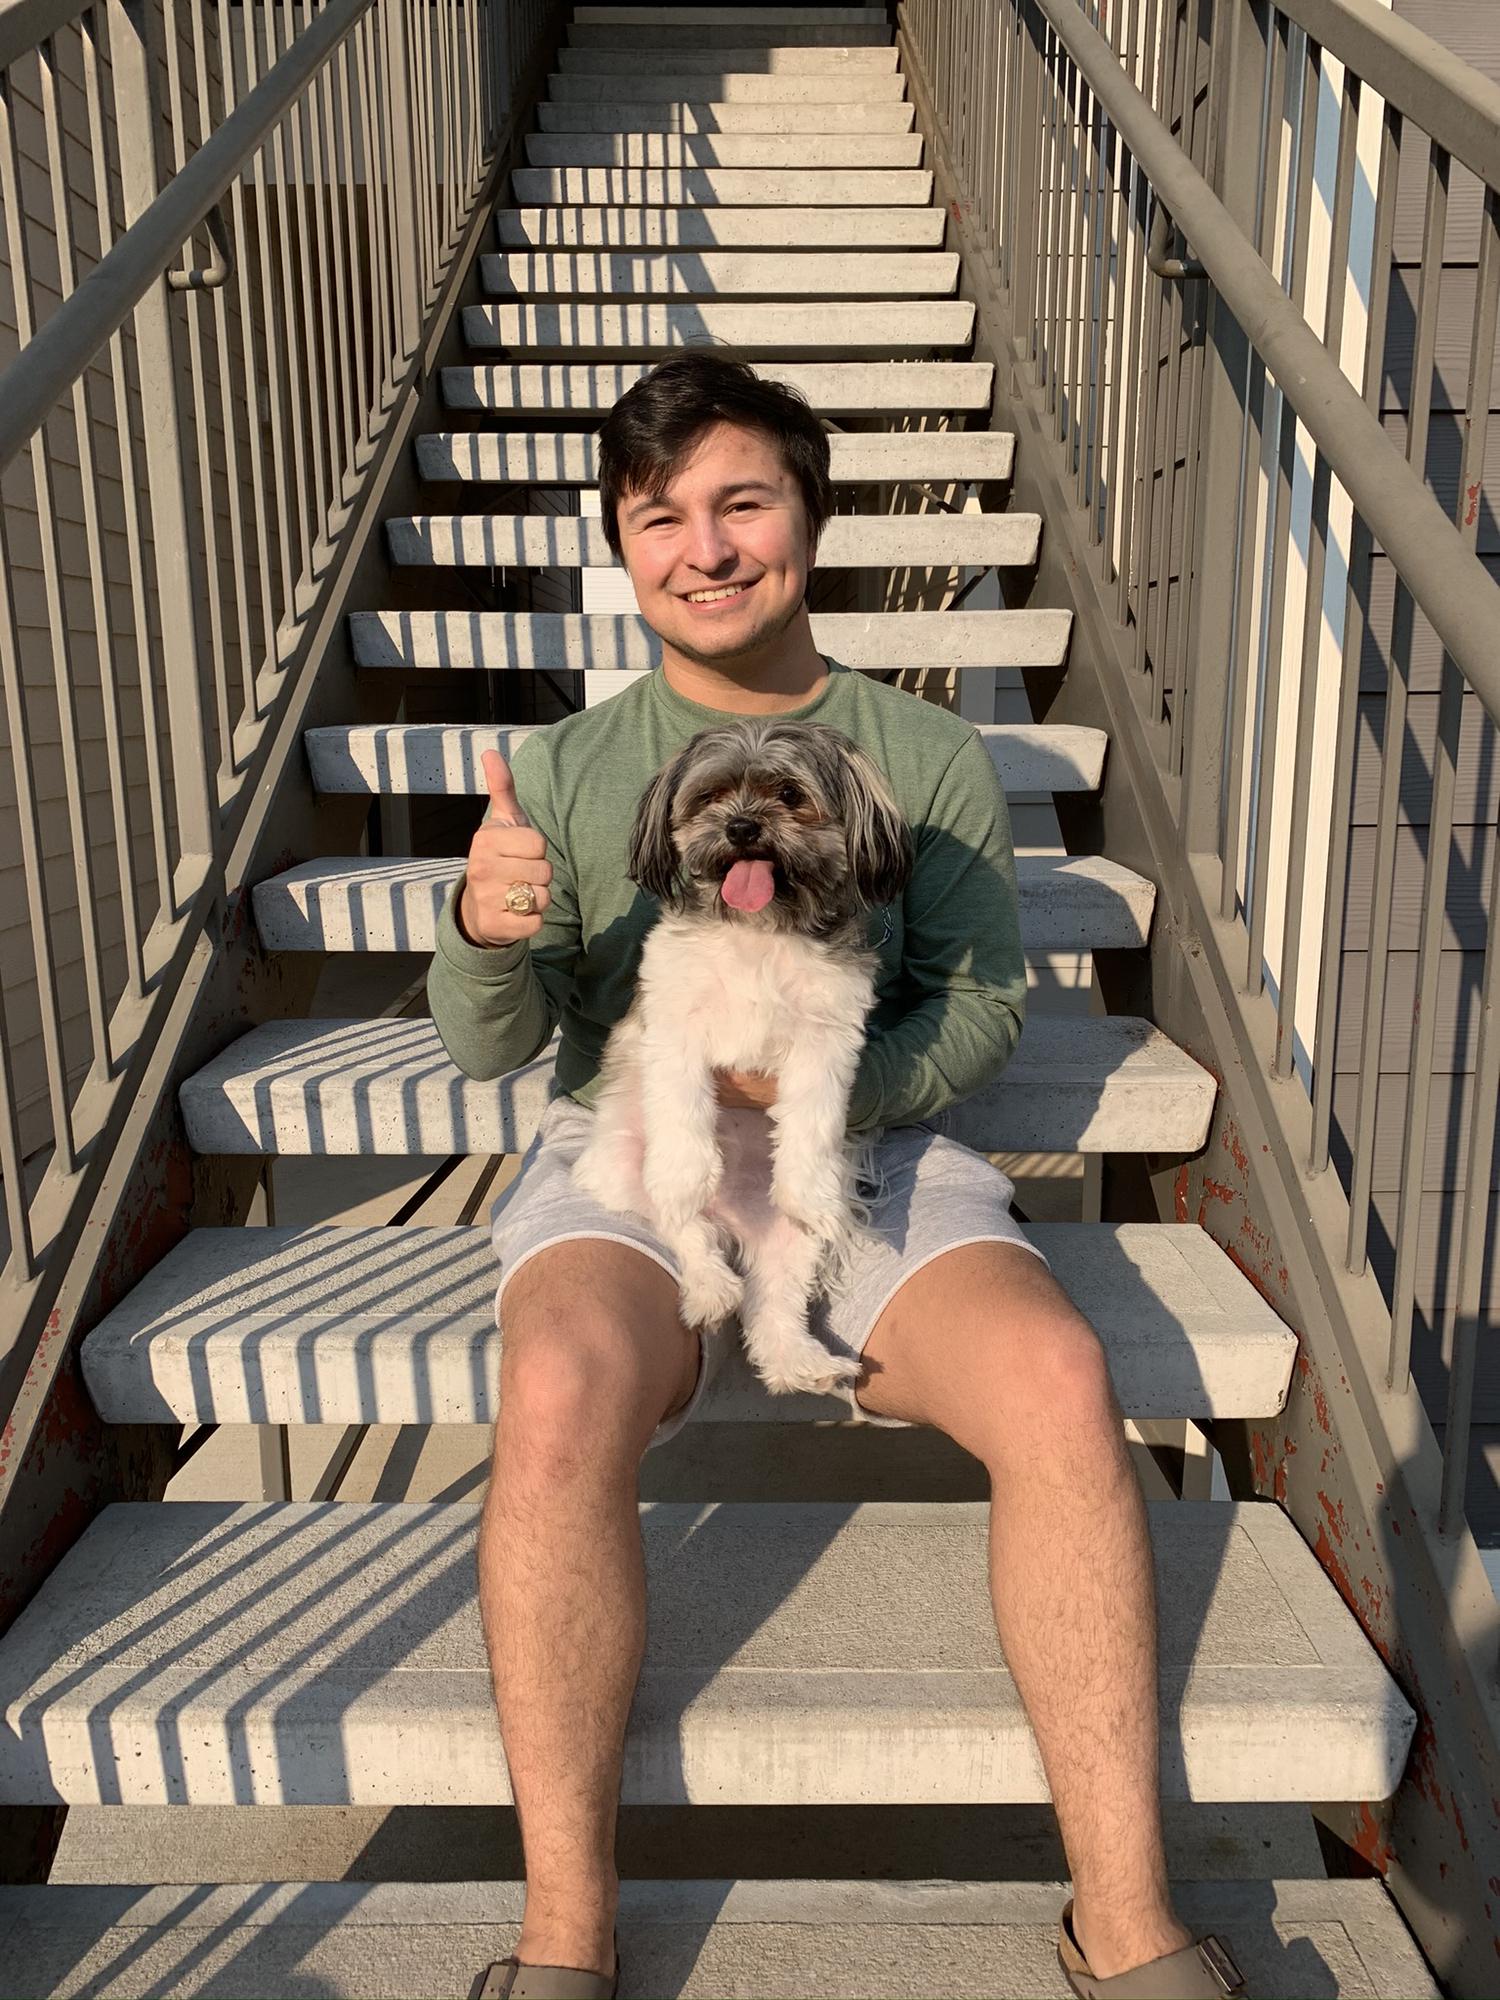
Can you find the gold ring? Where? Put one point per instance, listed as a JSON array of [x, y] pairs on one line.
[[520, 898]]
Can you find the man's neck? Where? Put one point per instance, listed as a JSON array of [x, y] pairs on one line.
[[787, 675]]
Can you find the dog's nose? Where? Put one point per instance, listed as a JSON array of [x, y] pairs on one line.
[[741, 829]]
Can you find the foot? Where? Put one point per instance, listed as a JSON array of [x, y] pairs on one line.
[[587, 1951], [1111, 1946]]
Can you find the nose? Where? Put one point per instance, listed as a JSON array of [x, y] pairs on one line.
[[741, 830]]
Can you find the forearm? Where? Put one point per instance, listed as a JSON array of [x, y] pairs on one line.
[[493, 1013], [935, 1057]]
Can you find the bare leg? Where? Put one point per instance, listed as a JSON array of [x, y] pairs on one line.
[[985, 1344], [594, 1356]]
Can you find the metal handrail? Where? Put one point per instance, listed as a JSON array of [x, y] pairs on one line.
[[1452, 102], [1453, 589], [41, 375]]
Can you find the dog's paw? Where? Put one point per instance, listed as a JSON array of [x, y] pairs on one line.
[[709, 1292], [812, 1371]]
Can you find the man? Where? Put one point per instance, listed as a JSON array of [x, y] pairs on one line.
[[714, 486]]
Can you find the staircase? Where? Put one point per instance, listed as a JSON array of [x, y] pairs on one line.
[[749, 176]]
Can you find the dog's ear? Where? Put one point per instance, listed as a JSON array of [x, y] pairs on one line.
[[879, 841], [651, 862]]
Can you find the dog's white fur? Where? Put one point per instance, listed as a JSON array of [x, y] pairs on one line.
[[780, 1187], [760, 1208]]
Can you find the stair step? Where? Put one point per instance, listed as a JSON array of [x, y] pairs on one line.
[[210, 1653], [705, 117], [912, 326], [397, 1326], [833, 388], [664, 187], [814, 150], [338, 1087], [826, 59], [444, 757], [849, 541], [675, 17], [565, 641], [710, 273], [664, 36], [571, 458], [763, 1940], [800, 229], [713, 85], [1076, 903]]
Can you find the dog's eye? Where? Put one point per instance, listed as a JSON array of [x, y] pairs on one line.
[[790, 796]]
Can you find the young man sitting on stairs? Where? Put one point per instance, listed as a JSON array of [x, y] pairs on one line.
[[714, 486]]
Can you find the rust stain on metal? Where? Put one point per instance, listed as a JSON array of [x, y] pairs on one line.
[[1371, 1839]]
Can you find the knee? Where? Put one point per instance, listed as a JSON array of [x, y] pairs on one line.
[[1065, 1382], [574, 1388]]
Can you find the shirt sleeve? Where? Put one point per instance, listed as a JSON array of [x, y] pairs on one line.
[[496, 1006], [962, 958]]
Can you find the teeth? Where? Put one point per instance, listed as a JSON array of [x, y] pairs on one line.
[[713, 596]]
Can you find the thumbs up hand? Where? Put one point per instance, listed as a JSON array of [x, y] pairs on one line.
[[505, 851]]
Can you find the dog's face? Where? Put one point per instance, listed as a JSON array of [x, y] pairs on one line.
[[784, 825]]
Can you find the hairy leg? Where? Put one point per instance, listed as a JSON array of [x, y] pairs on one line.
[[984, 1344], [594, 1356]]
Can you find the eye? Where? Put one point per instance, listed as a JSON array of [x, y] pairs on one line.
[[790, 796]]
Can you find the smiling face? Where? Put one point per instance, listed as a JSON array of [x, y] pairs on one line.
[[720, 560]]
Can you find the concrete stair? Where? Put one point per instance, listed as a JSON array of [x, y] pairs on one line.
[[835, 388], [571, 458], [445, 757], [751, 176], [561, 641], [387, 1326], [1069, 903], [802, 229], [330, 1653], [700, 1940], [626, 117], [894, 541], [926, 274], [1111, 1085]]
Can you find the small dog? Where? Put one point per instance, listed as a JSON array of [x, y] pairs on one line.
[[766, 843]]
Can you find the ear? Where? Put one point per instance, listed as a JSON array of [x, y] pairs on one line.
[[651, 862], [879, 841]]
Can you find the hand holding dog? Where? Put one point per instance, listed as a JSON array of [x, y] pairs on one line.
[[741, 1090], [505, 850]]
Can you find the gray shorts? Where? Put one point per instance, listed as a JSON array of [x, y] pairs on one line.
[[932, 1196]]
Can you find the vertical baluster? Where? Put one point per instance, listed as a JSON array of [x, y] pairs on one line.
[[1439, 855], [88, 471], [1393, 745]]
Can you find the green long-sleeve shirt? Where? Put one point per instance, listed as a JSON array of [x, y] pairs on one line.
[[951, 983]]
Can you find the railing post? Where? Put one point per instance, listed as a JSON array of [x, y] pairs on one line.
[[407, 246], [195, 792], [1226, 374]]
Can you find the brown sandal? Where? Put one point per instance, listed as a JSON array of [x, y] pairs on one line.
[[1201, 1971], [509, 1979]]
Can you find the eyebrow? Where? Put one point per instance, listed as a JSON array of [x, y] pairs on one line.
[[724, 492]]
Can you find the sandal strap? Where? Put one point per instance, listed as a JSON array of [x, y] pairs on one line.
[[1203, 1970], [512, 1979]]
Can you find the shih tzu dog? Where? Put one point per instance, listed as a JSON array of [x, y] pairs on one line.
[[766, 843]]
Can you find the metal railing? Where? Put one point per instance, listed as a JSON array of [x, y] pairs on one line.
[[225, 230], [1207, 241], [1117, 110]]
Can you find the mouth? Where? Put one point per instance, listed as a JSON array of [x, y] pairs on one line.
[[750, 882], [724, 593]]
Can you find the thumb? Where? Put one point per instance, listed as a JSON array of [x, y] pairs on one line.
[[505, 807]]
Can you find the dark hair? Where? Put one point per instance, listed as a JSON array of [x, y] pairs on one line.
[[654, 426]]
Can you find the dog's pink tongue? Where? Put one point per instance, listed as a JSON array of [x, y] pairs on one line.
[[749, 885]]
